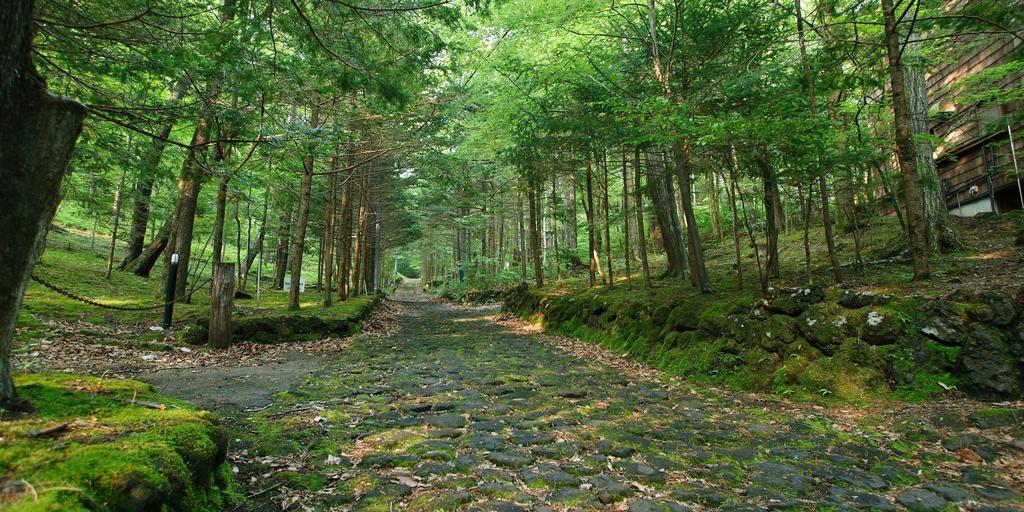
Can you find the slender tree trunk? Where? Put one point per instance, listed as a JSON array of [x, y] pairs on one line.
[[522, 233], [116, 221], [591, 227], [805, 207], [573, 234], [554, 228], [218, 222], [625, 219], [254, 247], [607, 225], [826, 215], [733, 165], [772, 205], [345, 234], [538, 265], [639, 200], [906, 150], [302, 218], [284, 230], [716, 216], [329, 216], [700, 273]]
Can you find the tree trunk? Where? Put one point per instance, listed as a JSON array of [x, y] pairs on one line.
[[772, 205], [116, 221], [218, 221], [733, 165], [328, 292], [639, 200], [302, 219], [538, 265], [143, 194], [144, 263], [938, 227], [625, 219], [554, 227], [522, 233], [591, 225], [345, 234], [189, 184], [284, 229], [222, 292], [254, 247], [700, 273], [607, 226], [572, 233], [716, 216], [660, 191], [906, 150], [37, 135]]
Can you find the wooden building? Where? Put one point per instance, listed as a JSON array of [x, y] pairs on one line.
[[975, 157]]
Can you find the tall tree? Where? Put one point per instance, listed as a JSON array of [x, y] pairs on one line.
[[38, 131]]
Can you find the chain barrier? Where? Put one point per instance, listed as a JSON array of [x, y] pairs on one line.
[[91, 302]]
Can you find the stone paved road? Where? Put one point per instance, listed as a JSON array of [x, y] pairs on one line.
[[456, 412]]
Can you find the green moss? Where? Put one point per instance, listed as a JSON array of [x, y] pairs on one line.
[[114, 453], [304, 480]]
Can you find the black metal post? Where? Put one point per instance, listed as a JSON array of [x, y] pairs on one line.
[[172, 278]]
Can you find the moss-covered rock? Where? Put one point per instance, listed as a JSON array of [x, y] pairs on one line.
[[775, 333], [852, 299], [113, 452], [830, 348], [794, 301], [989, 366], [825, 326], [881, 326], [943, 322]]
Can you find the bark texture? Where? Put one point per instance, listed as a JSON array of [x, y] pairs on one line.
[[37, 136]]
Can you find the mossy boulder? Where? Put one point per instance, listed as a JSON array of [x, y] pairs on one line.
[[735, 327], [775, 333], [852, 299], [825, 325], [988, 364], [944, 323], [881, 326], [682, 318], [998, 308], [852, 373], [794, 301], [119, 455]]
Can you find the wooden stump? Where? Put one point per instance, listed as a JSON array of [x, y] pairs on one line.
[[222, 293]]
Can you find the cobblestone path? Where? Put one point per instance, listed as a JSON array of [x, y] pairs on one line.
[[455, 412]]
